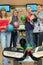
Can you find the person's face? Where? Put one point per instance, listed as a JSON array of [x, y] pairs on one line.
[[39, 8], [29, 9], [3, 12], [15, 13]]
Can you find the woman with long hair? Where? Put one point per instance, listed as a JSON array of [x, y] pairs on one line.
[[5, 35], [14, 34]]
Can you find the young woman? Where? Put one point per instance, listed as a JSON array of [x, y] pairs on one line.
[[14, 34], [5, 35]]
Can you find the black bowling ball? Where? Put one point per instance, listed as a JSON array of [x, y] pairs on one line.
[[35, 19], [22, 42]]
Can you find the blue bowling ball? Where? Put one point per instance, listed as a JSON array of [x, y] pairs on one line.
[[10, 28]]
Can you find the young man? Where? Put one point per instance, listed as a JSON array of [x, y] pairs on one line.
[[40, 19], [39, 35], [29, 27]]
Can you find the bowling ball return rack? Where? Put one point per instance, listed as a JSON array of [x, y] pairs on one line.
[[20, 55]]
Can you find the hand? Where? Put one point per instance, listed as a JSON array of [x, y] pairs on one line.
[[2, 26], [32, 17], [40, 17], [15, 28]]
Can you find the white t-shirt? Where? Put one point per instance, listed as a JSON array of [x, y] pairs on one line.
[[38, 26]]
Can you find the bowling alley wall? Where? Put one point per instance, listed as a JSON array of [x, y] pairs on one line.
[[20, 5]]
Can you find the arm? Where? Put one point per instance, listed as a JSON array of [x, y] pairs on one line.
[[34, 13], [40, 17], [10, 19], [2, 26], [32, 17]]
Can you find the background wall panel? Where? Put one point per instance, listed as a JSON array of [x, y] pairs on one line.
[[20, 2]]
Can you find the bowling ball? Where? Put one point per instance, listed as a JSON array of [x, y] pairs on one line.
[[32, 17], [28, 51], [22, 42], [28, 17], [10, 28], [28, 46], [23, 17], [16, 24]]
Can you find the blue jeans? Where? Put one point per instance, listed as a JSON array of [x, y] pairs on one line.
[[14, 37], [29, 35], [5, 41], [38, 38]]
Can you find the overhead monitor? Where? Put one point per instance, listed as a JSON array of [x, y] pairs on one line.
[[6, 6], [33, 6]]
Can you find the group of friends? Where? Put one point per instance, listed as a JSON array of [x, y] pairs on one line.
[[31, 36], [7, 38]]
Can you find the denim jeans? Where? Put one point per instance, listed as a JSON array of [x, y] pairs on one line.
[[0, 37], [5, 41], [14, 37], [38, 38], [29, 35]]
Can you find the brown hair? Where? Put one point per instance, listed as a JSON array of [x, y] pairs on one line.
[[0, 14], [14, 11], [3, 9]]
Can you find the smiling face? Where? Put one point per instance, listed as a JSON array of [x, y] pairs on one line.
[[3, 12], [29, 9], [39, 8], [15, 13]]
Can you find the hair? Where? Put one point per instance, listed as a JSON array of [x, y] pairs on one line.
[[14, 11], [0, 14], [39, 6], [3, 9], [28, 6]]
